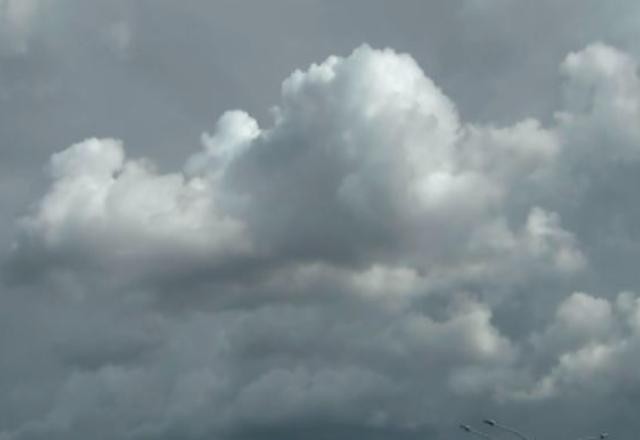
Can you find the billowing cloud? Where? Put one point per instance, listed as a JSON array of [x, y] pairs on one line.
[[366, 162], [354, 264], [103, 206], [593, 342]]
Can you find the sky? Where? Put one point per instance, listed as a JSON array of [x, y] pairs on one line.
[[307, 219]]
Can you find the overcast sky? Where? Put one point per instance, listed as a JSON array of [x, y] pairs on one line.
[[318, 219]]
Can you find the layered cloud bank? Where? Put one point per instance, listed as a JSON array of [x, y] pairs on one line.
[[368, 263]]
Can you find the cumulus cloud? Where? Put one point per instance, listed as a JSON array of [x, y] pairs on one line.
[[593, 342], [106, 207], [366, 162], [350, 264]]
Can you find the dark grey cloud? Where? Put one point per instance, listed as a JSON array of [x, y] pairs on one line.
[[435, 226]]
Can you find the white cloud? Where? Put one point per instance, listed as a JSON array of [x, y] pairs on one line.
[[602, 98], [365, 162], [102, 205], [346, 258]]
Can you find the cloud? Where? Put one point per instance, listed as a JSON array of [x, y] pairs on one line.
[[103, 206], [602, 98], [593, 342], [366, 161], [350, 264], [17, 18], [119, 37]]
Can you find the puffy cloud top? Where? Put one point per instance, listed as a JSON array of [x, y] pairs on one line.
[[359, 261]]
